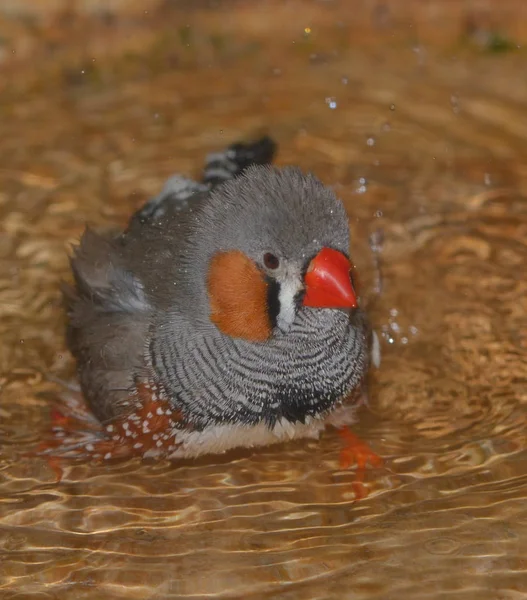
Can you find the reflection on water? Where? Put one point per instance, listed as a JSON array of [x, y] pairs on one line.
[[428, 149]]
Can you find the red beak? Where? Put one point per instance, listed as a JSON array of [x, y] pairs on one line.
[[328, 281]]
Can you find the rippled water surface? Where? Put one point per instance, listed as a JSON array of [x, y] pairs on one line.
[[427, 144]]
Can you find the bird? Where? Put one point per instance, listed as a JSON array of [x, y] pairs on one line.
[[225, 315]]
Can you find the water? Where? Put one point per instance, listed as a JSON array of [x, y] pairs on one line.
[[446, 184]]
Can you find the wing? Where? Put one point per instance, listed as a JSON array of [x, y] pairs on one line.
[[108, 323]]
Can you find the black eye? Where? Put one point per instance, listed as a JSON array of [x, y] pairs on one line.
[[271, 261]]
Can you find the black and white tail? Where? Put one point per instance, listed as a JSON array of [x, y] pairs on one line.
[[222, 166], [219, 167]]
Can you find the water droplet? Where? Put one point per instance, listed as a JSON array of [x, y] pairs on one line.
[[363, 185], [344, 81], [404, 340], [370, 141], [454, 103], [393, 312], [392, 107], [420, 52], [413, 329], [386, 126], [331, 102], [487, 179], [378, 214]]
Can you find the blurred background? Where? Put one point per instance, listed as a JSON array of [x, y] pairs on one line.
[[414, 111]]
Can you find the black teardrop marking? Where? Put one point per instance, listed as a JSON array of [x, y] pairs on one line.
[[273, 300]]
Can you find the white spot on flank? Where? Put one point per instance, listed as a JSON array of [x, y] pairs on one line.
[[126, 426], [109, 428], [107, 455], [159, 411], [90, 447], [138, 445]]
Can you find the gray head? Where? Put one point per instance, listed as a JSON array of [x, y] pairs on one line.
[[257, 246]]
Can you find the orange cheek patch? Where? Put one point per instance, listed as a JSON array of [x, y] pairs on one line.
[[238, 297]]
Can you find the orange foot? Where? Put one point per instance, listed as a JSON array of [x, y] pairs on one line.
[[356, 451]]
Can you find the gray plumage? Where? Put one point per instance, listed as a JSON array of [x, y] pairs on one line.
[[140, 306]]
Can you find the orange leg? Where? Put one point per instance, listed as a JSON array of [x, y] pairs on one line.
[[55, 464], [356, 451]]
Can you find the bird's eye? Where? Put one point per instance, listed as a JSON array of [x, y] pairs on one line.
[[271, 261]]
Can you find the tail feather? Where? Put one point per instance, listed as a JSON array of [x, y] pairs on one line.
[[178, 191], [222, 166]]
